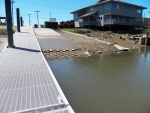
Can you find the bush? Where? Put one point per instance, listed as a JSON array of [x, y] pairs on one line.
[[67, 24]]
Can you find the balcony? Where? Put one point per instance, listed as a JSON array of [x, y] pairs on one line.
[[122, 22], [89, 23]]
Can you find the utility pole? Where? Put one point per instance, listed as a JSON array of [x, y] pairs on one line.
[[21, 21], [29, 20], [9, 23], [50, 16], [37, 17], [12, 2], [18, 19], [149, 22]]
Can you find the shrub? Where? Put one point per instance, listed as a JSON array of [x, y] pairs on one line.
[[67, 24]]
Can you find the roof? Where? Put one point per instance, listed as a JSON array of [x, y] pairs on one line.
[[87, 14], [105, 1]]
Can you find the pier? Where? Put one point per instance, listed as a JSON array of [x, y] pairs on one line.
[[27, 84]]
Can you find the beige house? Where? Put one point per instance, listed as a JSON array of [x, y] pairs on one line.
[[109, 13]]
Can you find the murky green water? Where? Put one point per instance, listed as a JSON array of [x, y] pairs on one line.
[[118, 83]]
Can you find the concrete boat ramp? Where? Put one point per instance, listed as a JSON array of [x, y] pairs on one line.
[[27, 84]]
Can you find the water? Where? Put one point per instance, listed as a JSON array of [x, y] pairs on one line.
[[118, 83]]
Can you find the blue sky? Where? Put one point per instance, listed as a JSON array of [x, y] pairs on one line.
[[60, 9]]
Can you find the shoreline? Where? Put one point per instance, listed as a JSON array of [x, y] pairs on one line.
[[85, 47]]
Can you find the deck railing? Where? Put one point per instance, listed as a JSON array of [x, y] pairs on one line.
[[123, 22]]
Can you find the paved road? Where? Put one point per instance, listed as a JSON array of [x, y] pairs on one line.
[[50, 39]]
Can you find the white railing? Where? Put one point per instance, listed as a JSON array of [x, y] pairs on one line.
[[123, 22]]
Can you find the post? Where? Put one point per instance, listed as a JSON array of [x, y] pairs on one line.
[[37, 17], [12, 2], [50, 17], [18, 19], [9, 23], [29, 20], [21, 20]]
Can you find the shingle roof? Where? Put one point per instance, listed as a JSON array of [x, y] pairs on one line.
[[88, 14], [105, 1]]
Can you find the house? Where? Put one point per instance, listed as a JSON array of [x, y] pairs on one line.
[[109, 13]]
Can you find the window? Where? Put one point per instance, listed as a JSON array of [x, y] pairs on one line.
[[99, 18], [139, 11], [92, 9], [107, 6], [75, 15], [115, 6], [96, 8], [128, 8]]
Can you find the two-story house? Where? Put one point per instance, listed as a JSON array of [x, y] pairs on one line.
[[109, 13]]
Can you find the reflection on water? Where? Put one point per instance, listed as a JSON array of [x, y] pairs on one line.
[[118, 83]]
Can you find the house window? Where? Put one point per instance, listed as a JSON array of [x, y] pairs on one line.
[[99, 18], [96, 8], [107, 6], [128, 8], [75, 15], [139, 11], [115, 6], [92, 9]]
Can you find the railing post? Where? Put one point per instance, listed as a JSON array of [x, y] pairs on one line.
[[21, 20], [18, 19], [9, 23]]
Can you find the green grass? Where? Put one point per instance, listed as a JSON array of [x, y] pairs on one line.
[[3, 31], [85, 31], [77, 30]]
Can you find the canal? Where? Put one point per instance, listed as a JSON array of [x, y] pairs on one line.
[[116, 83]]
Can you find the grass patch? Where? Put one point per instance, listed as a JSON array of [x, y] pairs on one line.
[[86, 31], [3, 31], [77, 30]]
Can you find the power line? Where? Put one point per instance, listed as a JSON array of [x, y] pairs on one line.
[[35, 3], [37, 17]]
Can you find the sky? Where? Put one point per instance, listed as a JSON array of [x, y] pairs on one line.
[[59, 9]]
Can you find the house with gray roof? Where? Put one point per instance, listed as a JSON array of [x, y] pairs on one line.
[[109, 13]]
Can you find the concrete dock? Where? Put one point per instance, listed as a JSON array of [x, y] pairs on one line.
[[27, 84]]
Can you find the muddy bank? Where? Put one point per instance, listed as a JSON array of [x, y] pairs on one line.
[[72, 45], [88, 44]]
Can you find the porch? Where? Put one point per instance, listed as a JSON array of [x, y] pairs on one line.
[[120, 20]]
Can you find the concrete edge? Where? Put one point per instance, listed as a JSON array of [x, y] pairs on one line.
[[55, 81], [4, 48]]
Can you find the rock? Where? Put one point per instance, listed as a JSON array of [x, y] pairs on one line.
[[99, 51], [144, 36]]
